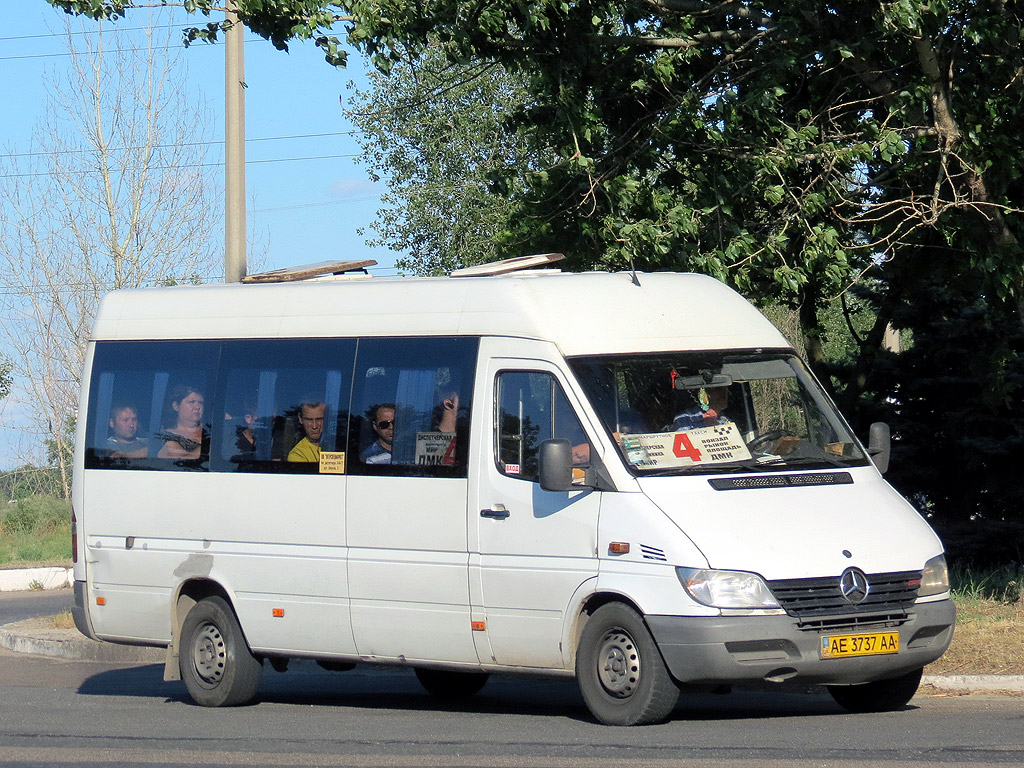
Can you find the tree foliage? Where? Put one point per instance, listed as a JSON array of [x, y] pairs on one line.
[[438, 133], [815, 154], [6, 368]]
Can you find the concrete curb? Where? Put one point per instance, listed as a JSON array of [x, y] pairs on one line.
[[18, 579], [976, 683], [39, 638]]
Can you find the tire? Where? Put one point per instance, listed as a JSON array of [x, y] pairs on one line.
[[446, 684], [620, 671], [880, 696], [214, 659]]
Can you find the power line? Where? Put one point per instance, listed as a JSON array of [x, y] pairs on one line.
[[112, 28], [322, 204], [210, 142], [26, 56], [183, 165]]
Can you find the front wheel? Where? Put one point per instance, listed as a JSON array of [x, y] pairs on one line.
[[620, 671], [214, 659], [879, 696]]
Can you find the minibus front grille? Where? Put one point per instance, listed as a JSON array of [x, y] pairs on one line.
[[821, 598], [854, 623]]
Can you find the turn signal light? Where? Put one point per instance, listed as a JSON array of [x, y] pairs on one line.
[[278, 613], [479, 626], [618, 548], [101, 601]]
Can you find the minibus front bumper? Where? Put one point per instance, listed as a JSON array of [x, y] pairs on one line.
[[733, 649]]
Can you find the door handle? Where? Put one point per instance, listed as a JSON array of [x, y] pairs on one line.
[[498, 513]]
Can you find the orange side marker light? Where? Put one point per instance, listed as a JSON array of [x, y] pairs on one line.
[[618, 548], [479, 626], [101, 601], [278, 613]]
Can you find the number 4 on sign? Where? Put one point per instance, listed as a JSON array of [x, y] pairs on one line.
[[683, 448]]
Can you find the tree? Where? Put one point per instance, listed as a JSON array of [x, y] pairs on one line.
[[785, 147], [113, 195], [5, 377], [801, 151], [955, 405], [438, 132]]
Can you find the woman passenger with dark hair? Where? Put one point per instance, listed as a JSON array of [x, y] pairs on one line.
[[186, 439]]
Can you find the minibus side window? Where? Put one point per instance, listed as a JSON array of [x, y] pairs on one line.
[[285, 405], [411, 406], [150, 405], [533, 408]]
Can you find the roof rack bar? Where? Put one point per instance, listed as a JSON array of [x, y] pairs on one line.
[[308, 271], [508, 265]]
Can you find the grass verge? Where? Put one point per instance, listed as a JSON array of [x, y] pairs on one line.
[[989, 636], [35, 531]]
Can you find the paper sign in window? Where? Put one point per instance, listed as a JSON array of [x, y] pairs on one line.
[[332, 462], [706, 445], [435, 449]]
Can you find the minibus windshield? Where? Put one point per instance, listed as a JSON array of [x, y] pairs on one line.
[[686, 412]]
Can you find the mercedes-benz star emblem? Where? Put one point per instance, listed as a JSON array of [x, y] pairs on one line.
[[854, 585]]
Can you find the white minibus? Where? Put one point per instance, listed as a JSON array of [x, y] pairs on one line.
[[629, 478]]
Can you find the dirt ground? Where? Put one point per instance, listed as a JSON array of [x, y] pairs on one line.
[[988, 640]]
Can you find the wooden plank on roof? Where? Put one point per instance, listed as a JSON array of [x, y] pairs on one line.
[[508, 265], [307, 271]]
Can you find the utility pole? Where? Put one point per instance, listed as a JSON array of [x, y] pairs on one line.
[[234, 148]]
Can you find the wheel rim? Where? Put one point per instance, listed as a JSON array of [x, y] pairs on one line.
[[618, 664], [209, 655]]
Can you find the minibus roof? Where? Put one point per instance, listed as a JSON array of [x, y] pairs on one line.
[[582, 313]]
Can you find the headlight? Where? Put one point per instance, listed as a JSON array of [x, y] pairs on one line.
[[726, 589], [934, 577]]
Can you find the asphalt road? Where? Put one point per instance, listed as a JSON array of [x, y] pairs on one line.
[[57, 712], [73, 713], [15, 606]]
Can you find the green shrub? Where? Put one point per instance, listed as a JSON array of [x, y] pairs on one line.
[[36, 514], [1001, 583]]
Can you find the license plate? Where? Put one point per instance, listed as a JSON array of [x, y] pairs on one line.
[[842, 646]]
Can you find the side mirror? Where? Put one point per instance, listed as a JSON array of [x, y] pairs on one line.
[[555, 471], [879, 445]]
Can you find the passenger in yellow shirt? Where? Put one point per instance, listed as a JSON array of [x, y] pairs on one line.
[[311, 417]]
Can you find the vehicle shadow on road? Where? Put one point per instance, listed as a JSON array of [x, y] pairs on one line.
[[398, 689]]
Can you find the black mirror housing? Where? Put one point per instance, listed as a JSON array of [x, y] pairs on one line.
[[880, 445], [555, 470]]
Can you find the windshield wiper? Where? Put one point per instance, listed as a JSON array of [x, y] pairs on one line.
[[732, 467], [770, 463], [827, 461]]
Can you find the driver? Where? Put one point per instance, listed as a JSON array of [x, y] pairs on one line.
[[708, 411]]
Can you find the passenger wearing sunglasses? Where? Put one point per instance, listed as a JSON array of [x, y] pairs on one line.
[[382, 420]]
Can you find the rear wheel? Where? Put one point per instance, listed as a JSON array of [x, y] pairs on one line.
[[446, 684], [214, 659], [620, 671], [879, 696]]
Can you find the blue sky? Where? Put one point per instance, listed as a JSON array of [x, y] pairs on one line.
[[303, 210]]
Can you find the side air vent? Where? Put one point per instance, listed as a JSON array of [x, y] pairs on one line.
[[652, 553], [779, 481]]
